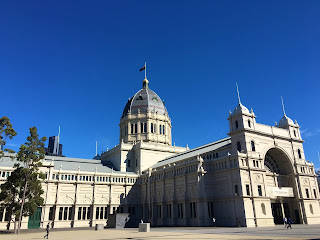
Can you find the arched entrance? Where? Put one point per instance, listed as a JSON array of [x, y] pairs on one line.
[[281, 186]]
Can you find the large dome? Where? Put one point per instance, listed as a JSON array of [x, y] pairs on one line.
[[144, 100]]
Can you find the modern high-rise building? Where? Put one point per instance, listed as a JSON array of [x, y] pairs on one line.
[[54, 147]]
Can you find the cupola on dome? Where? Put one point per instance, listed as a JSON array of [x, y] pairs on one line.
[[285, 121], [145, 100], [240, 109]]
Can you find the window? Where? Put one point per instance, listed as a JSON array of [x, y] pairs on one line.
[[79, 213], [169, 212], [239, 146], [263, 208], [180, 210], [101, 213], [141, 127], [315, 193], [248, 189], [163, 130], [193, 210], [299, 153], [53, 176], [145, 127], [159, 211], [307, 193], [135, 128], [50, 213], [210, 209], [249, 123], [259, 190], [160, 130], [129, 163], [84, 213], [131, 128], [151, 127], [253, 147], [65, 213], [97, 213], [294, 133], [60, 213], [70, 217], [237, 124], [236, 190], [105, 212]]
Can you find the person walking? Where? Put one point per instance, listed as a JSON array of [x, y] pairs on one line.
[[285, 221], [214, 221], [48, 230], [289, 222]]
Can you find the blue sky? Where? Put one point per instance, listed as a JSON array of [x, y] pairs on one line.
[[75, 64]]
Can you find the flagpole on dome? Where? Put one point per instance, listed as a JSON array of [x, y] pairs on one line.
[[145, 70]]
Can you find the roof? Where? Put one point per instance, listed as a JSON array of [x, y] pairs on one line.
[[144, 100], [240, 109], [194, 152], [285, 121], [70, 164]]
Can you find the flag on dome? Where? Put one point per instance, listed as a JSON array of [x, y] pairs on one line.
[[143, 68]]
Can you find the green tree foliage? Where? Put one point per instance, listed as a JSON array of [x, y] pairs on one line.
[[12, 192], [6, 131], [24, 187]]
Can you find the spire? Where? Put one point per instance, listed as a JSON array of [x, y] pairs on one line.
[[96, 148], [145, 83], [238, 92], [284, 112]]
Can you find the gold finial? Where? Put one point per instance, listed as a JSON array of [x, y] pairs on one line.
[[145, 83]]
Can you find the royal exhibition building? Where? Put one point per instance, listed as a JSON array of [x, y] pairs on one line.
[[254, 177]]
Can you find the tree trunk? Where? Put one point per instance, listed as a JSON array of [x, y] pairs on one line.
[[22, 203], [15, 225]]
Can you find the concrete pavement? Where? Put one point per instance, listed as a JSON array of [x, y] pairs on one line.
[[168, 233]]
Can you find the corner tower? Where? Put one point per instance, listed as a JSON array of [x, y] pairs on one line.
[[145, 118]]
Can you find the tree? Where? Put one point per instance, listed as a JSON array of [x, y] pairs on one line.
[[12, 191], [6, 131], [30, 155]]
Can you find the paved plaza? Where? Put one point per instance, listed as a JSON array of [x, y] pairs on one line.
[[277, 232]]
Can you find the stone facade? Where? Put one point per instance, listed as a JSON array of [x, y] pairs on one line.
[[255, 177]]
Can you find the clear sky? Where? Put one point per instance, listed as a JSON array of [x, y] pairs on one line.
[[76, 63]]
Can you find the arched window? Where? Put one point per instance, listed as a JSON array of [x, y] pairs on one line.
[[141, 127], [135, 128], [131, 128], [249, 123], [160, 129], [253, 147], [311, 208], [263, 207], [299, 153], [145, 127], [163, 129], [294, 133], [237, 124], [239, 146], [152, 127]]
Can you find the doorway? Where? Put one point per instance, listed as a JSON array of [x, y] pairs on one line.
[[34, 220], [277, 213]]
